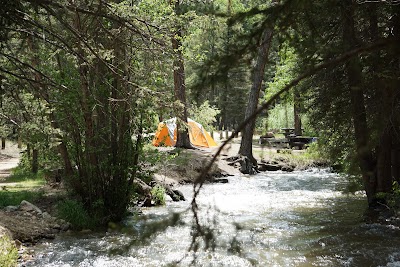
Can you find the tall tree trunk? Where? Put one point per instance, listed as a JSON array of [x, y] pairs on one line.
[[286, 115], [384, 128], [33, 47], [297, 112], [122, 147], [246, 144], [62, 147], [19, 141], [89, 165], [224, 92], [395, 116], [354, 79], [182, 139], [35, 160]]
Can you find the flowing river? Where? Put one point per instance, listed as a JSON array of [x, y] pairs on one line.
[[271, 219]]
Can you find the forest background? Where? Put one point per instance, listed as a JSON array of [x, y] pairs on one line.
[[83, 82]]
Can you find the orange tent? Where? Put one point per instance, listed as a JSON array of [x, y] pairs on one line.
[[166, 134]]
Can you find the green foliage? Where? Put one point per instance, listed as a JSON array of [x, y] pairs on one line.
[[224, 83], [393, 199], [158, 195], [205, 115], [152, 160], [337, 148], [354, 184], [286, 70], [8, 252], [315, 152], [281, 116], [75, 213]]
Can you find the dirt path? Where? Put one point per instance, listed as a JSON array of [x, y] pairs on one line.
[[9, 159]]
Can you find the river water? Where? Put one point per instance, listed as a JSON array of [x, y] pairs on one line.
[[271, 219]]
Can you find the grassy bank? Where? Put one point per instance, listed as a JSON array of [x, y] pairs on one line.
[[300, 159], [21, 185]]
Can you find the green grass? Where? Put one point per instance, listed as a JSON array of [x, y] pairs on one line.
[[75, 213], [21, 185], [22, 175], [8, 252], [14, 198]]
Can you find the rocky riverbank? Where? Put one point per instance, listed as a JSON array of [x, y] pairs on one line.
[[25, 223], [28, 223]]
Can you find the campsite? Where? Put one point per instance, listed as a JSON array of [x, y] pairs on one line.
[[167, 133], [199, 133]]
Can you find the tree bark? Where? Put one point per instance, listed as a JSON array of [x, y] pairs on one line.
[[88, 167], [33, 47], [246, 144], [354, 80], [182, 138], [62, 148], [384, 129], [35, 160], [395, 116], [297, 112]]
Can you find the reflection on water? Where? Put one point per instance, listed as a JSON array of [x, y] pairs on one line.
[[272, 219]]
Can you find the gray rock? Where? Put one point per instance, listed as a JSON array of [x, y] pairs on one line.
[[46, 215], [287, 168], [11, 208], [29, 207], [65, 226]]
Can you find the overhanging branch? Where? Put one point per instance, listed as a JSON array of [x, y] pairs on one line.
[[328, 64]]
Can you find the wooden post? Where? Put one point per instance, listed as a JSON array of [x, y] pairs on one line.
[[19, 142], [3, 143]]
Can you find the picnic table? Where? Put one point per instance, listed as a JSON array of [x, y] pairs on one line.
[[274, 142], [290, 140], [288, 131], [301, 141]]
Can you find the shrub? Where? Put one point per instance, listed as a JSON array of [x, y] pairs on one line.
[[393, 199], [158, 195], [205, 114], [74, 212]]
